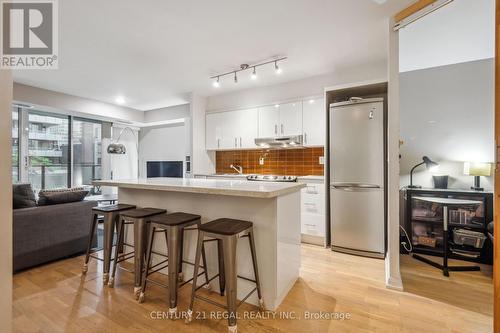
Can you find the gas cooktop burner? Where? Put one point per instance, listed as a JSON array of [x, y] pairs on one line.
[[272, 178]]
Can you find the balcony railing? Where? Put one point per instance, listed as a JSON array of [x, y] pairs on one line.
[[56, 176]]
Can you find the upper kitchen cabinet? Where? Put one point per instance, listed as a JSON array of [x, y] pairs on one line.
[[280, 120], [231, 130], [314, 117], [269, 119]]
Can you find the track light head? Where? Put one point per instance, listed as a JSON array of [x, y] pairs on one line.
[[253, 76], [216, 83], [277, 69]]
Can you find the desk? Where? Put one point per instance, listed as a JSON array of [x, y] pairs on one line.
[[446, 203]]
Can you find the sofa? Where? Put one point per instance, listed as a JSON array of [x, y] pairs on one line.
[[45, 233]]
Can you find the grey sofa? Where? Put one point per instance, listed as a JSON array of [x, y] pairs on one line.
[[46, 233]]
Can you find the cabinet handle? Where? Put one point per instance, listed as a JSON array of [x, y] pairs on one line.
[[236, 142], [218, 143], [275, 129], [240, 142], [305, 138], [282, 129]]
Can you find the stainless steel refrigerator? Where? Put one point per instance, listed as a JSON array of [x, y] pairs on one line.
[[357, 205]]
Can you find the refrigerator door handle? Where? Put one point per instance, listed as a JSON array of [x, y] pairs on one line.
[[353, 186]]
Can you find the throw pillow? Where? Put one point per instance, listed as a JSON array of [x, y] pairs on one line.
[[60, 196], [23, 196]]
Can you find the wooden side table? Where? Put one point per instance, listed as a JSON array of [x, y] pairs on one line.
[[446, 203]]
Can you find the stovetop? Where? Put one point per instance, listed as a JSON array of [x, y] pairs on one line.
[[272, 178]]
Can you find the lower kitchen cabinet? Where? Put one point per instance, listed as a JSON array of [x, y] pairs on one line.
[[313, 212]]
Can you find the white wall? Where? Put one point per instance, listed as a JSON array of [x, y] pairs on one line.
[[165, 143], [313, 86], [447, 113], [461, 31], [170, 113], [202, 161], [5, 202]]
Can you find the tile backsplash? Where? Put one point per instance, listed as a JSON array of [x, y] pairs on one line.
[[298, 162]]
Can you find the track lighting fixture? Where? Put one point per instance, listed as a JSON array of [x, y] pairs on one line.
[[244, 67]]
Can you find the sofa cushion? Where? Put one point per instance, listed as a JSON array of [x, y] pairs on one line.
[[60, 196], [23, 196]]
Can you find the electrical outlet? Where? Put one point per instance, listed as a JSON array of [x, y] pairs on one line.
[[321, 160], [261, 161]]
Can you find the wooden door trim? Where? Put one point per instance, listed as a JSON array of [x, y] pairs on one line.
[[412, 9]]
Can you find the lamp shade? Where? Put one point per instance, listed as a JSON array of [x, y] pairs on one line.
[[116, 148], [429, 164], [477, 169]]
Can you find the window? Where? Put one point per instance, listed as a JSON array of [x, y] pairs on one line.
[[60, 151], [48, 150], [87, 136], [15, 145]]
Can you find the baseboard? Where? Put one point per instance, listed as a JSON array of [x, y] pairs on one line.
[[311, 239]]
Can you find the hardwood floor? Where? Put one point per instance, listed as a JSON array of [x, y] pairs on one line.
[[57, 298]]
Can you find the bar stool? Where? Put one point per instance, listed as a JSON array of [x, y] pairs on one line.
[[140, 218], [173, 225], [110, 214], [228, 231]]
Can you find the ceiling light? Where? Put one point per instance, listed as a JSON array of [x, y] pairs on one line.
[[120, 100], [254, 74], [235, 78], [277, 68], [311, 101], [276, 105], [216, 83]]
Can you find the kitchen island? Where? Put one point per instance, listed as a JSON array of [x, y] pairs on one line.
[[274, 208]]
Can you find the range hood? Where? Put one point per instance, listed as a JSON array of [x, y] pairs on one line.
[[294, 141]]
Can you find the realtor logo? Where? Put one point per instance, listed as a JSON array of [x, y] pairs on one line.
[[29, 34]]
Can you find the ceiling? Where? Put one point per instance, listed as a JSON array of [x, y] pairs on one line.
[[155, 53]]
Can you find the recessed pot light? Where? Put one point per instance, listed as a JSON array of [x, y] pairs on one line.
[[120, 100]]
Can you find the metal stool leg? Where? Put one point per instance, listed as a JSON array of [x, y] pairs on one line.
[[199, 246], [255, 269], [229, 244], [151, 237], [180, 275], [222, 275], [139, 246], [119, 227], [109, 226], [174, 233], [93, 227], [119, 241]]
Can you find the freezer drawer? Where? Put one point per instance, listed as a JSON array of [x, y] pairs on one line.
[[357, 218]]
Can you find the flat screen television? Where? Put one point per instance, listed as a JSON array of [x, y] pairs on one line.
[[164, 169]]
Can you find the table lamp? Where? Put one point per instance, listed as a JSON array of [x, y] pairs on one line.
[[429, 164], [477, 170]]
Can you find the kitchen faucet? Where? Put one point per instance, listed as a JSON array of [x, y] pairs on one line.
[[238, 168]]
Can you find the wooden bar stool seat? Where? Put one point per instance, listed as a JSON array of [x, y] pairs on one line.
[[226, 232], [110, 214], [140, 218], [173, 226]]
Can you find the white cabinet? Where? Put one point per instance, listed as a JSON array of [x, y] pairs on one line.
[[231, 130], [280, 120], [269, 119], [247, 127], [314, 118], [313, 212], [290, 119]]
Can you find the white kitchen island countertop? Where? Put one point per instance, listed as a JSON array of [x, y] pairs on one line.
[[233, 187]]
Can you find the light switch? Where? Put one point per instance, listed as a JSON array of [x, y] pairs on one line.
[[322, 160]]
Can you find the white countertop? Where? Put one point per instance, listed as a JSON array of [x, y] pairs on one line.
[[233, 187]]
